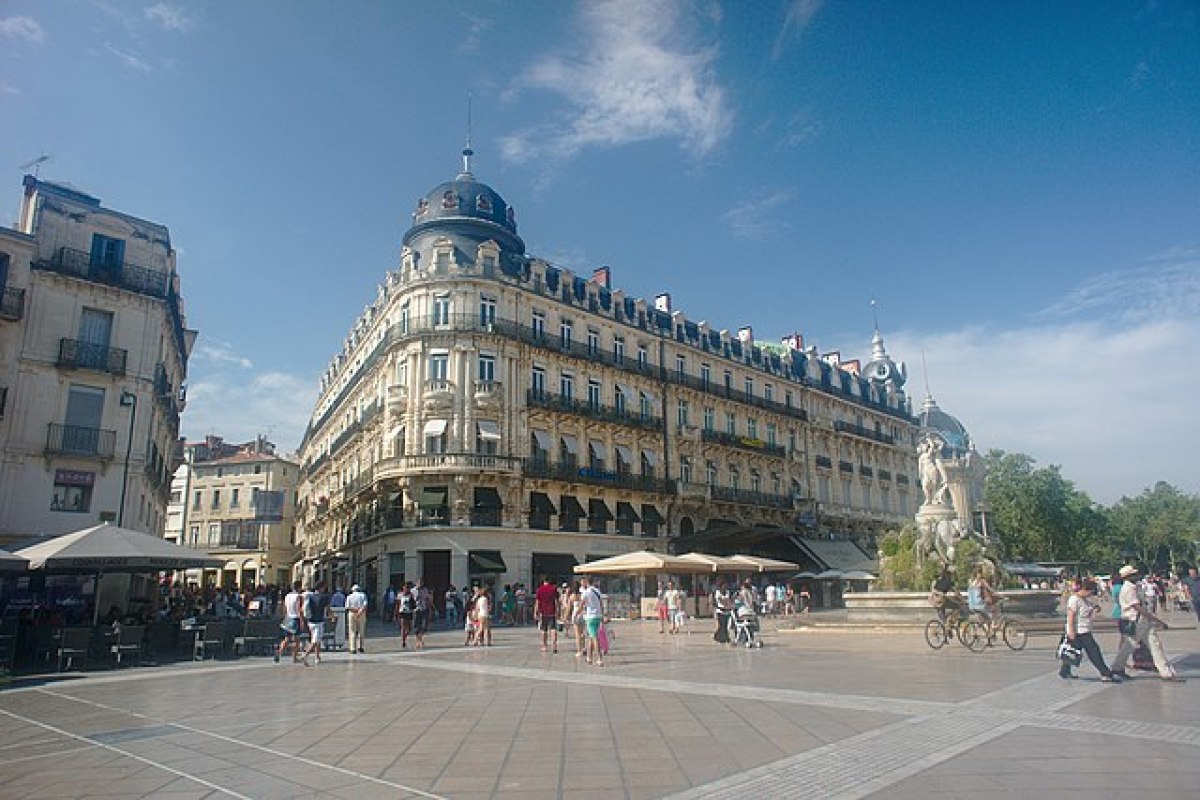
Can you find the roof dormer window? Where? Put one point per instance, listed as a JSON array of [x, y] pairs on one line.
[[449, 199], [483, 203]]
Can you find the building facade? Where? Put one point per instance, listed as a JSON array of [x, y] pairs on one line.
[[241, 507], [493, 417], [93, 357]]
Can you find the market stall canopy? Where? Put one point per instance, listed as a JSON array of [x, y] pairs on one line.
[[108, 548], [829, 575], [761, 564], [715, 563], [11, 563], [642, 562], [806, 575]]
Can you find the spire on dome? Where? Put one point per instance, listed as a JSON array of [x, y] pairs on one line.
[[467, 152]]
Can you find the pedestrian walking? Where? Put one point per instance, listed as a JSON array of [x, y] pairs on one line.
[[660, 608], [405, 608], [422, 612], [293, 623], [452, 606], [1081, 609], [545, 610], [1139, 625], [722, 603], [592, 604], [483, 617], [316, 609], [1191, 586], [674, 602], [356, 611]]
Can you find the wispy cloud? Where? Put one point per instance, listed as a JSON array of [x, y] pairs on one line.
[[754, 219], [477, 28], [170, 16], [797, 16], [129, 59], [219, 354], [25, 28], [238, 407], [1103, 384], [9, 89], [636, 73]]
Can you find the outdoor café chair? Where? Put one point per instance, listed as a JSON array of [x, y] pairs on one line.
[[128, 642], [73, 643]]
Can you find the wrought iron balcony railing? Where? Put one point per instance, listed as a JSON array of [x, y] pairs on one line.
[[76, 440], [74, 354], [742, 442], [592, 476], [598, 411], [863, 432]]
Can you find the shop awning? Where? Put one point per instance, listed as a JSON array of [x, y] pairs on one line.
[[627, 511], [625, 390], [625, 454], [434, 497], [540, 503], [570, 506], [487, 497], [651, 457], [488, 430], [599, 449], [650, 514], [435, 427], [598, 509], [396, 431], [542, 438], [571, 443], [555, 565], [486, 562], [841, 555]]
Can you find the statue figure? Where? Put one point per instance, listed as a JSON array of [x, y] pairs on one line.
[[933, 472], [941, 537]]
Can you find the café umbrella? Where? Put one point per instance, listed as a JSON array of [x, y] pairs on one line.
[[107, 548], [642, 562]]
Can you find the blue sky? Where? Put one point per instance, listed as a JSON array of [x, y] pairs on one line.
[[1017, 184]]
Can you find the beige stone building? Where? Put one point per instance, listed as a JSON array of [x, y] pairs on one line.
[[241, 507], [493, 417], [93, 356]]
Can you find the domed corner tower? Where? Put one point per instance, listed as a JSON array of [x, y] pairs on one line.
[[964, 470], [884, 372], [459, 221]]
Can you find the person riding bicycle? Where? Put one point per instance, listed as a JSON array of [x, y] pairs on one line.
[[981, 598], [943, 596]]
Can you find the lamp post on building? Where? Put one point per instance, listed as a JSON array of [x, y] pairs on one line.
[[129, 400]]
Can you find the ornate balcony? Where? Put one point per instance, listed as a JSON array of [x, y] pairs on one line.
[[596, 411], [863, 432], [743, 443], [74, 354], [446, 463], [76, 440], [750, 498], [397, 397], [576, 473]]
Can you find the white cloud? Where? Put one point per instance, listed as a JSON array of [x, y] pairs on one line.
[[219, 354], [129, 58], [26, 28], [636, 74], [169, 16], [9, 89], [477, 28], [799, 14], [1104, 384], [753, 220], [230, 404]]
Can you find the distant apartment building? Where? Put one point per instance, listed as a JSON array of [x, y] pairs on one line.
[[240, 506], [94, 352], [206, 450], [493, 417]]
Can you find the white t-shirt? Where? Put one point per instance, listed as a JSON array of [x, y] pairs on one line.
[[356, 600], [481, 607], [673, 598], [1128, 598], [291, 604], [1084, 611], [593, 605]]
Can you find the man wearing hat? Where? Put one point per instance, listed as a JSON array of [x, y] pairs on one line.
[[356, 610], [1138, 625]]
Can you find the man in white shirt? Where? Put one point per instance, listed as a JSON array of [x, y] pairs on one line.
[[293, 623], [593, 616], [356, 612], [1138, 624]]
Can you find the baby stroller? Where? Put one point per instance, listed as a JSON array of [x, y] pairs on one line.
[[745, 627]]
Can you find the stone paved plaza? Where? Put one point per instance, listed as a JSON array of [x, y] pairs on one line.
[[818, 712]]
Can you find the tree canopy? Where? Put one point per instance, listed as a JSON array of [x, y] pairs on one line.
[[1038, 515]]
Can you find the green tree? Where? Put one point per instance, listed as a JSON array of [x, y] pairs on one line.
[[1161, 526], [1037, 514]]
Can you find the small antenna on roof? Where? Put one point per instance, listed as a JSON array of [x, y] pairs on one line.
[[925, 370], [467, 151], [36, 164], [874, 314]]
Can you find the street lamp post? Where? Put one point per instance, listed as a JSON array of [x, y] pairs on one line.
[[129, 400]]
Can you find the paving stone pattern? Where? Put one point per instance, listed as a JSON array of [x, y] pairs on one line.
[[818, 712]]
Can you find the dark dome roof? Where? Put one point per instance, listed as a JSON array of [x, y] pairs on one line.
[[465, 198], [932, 419]]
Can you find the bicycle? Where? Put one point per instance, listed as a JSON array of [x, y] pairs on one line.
[[979, 632], [940, 631]]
